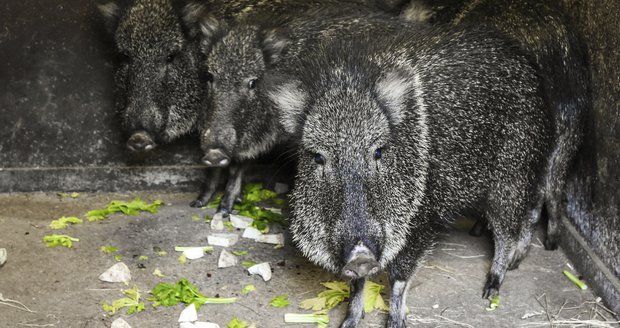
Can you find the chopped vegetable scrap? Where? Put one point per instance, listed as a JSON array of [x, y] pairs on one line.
[[247, 289], [280, 301], [59, 240], [322, 320], [575, 280], [247, 264], [338, 291], [131, 302], [236, 323], [64, 221], [108, 249], [183, 291], [133, 207], [494, 304]]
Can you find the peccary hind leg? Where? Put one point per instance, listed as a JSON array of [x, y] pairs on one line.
[[233, 189], [479, 227], [209, 187], [355, 311]]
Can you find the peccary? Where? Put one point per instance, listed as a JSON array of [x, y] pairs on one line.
[[240, 124], [400, 133], [550, 42], [157, 76], [160, 86]]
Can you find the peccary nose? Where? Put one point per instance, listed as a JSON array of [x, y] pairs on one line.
[[140, 141], [360, 266], [216, 158]]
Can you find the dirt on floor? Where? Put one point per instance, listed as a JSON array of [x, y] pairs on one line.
[[59, 287]]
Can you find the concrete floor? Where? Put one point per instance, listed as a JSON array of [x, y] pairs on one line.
[[61, 284]]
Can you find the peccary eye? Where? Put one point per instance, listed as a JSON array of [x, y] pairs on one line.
[[319, 159], [252, 84], [378, 153], [170, 58], [206, 77]]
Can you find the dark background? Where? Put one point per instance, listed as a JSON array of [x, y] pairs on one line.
[[59, 129]]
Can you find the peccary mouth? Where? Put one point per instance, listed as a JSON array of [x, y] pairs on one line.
[[361, 263], [141, 141]]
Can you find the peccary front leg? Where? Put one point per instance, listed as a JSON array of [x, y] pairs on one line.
[[233, 189], [209, 187], [398, 318], [355, 311]]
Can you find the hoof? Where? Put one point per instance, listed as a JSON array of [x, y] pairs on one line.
[[348, 324], [491, 288], [224, 211], [197, 203], [551, 243]]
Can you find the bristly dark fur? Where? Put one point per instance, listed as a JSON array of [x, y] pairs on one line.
[[553, 46], [460, 122], [240, 123], [157, 77]]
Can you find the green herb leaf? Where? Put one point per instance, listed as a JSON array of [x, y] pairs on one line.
[[63, 222], [240, 253], [108, 249], [247, 289], [247, 264], [183, 292], [133, 207], [494, 304], [338, 291], [59, 240], [280, 301], [236, 323], [131, 302]]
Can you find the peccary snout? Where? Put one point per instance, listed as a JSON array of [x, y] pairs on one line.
[[362, 263], [140, 141], [216, 158]]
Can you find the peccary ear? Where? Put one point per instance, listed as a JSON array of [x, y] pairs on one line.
[[212, 29], [191, 14], [394, 89], [275, 40], [417, 11], [289, 98], [111, 12]]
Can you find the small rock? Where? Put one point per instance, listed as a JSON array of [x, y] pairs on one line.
[[223, 239], [120, 323], [3, 256], [217, 222], [187, 325], [261, 269], [200, 324], [436, 306], [281, 188], [119, 272], [189, 314], [276, 239], [251, 233], [194, 253], [226, 259], [241, 222]]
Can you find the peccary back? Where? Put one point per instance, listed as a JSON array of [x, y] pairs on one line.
[[546, 36]]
